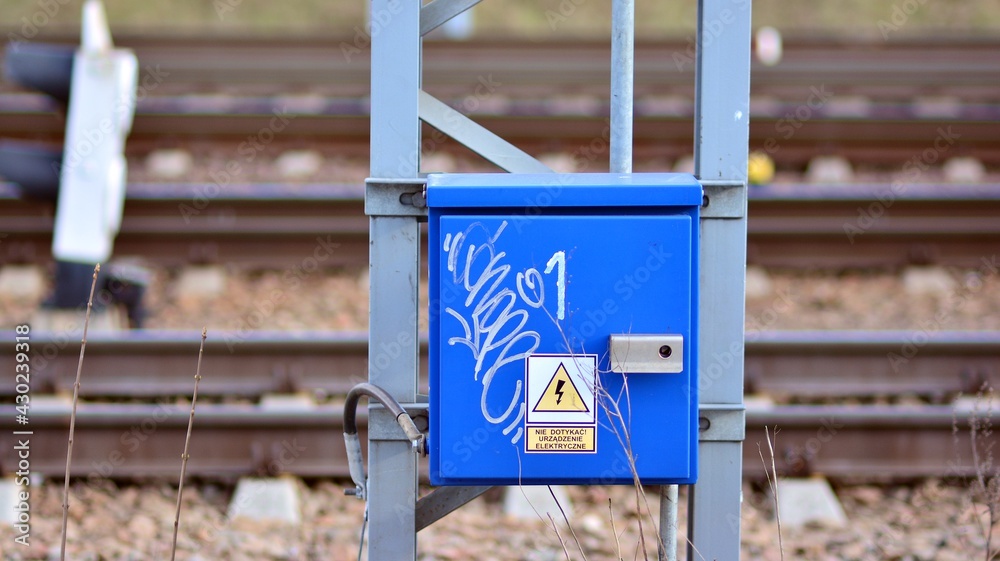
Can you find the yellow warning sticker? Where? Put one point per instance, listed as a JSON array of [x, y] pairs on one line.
[[561, 439], [560, 394]]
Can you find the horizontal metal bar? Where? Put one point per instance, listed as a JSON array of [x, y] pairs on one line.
[[382, 423], [721, 422], [724, 199], [395, 197]]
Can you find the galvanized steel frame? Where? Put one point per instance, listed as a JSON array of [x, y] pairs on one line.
[[722, 115], [398, 105]]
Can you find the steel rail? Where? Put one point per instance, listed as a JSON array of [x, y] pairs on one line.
[[876, 104], [278, 226], [806, 61], [144, 441], [877, 134], [802, 365]]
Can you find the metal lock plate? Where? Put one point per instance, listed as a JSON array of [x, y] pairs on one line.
[[650, 354]]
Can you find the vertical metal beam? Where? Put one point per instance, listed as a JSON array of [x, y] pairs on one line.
[[622, 75], [394, 272], [721, 136]]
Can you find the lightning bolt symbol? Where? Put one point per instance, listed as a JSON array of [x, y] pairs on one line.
[[559, 391]]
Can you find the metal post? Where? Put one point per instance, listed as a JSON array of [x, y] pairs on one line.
[[622, 100], [622, 73], [668, 523], [394, 264], [721, 137]]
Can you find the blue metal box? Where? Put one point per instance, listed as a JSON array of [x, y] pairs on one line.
[[563, 328]]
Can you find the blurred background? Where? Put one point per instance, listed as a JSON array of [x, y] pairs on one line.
[[873, 294]]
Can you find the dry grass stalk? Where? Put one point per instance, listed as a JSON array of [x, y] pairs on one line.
[[72, 416], [562, 542], [187, 441], [566, 519], [618, 544], [773, 484], [986, 484]]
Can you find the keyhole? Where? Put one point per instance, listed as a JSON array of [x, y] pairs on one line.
[[665, 351]]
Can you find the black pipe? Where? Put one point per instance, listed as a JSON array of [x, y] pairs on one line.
[[373, 392]]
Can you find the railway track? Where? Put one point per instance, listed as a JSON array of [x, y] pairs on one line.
[[934, 366], [278, 226], [145, 441], [139, 431], [876, 104]]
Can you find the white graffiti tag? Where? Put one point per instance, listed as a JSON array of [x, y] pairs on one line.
[[494, 324]]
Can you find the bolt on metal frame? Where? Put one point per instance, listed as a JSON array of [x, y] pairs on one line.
[[398, 105]]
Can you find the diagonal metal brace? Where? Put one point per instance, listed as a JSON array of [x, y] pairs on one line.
[[436, 13], [443, 501], [508, 157]]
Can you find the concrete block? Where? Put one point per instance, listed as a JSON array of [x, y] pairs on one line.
[[938, 107], [684, 165], [54, 404], [854, 106], [275, 499], [22, 282], [70, 322], [928, 281], [964, 170], [559, 162], [438, 162], [829, 169], [801, 501], [201, 282], [287, 402], [769, 45], [169, 163], [665, 105], [759, 283], [299, 164], [530, 502], [8, 500]]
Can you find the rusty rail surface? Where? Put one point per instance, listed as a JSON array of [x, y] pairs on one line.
[[134, 416], [803, 365], [277, 226], [144, 441], [873, 102]]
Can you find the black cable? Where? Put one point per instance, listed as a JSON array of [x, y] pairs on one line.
[[372, 391], [364, 525]]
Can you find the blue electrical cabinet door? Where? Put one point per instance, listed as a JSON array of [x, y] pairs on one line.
[[563, 328]]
